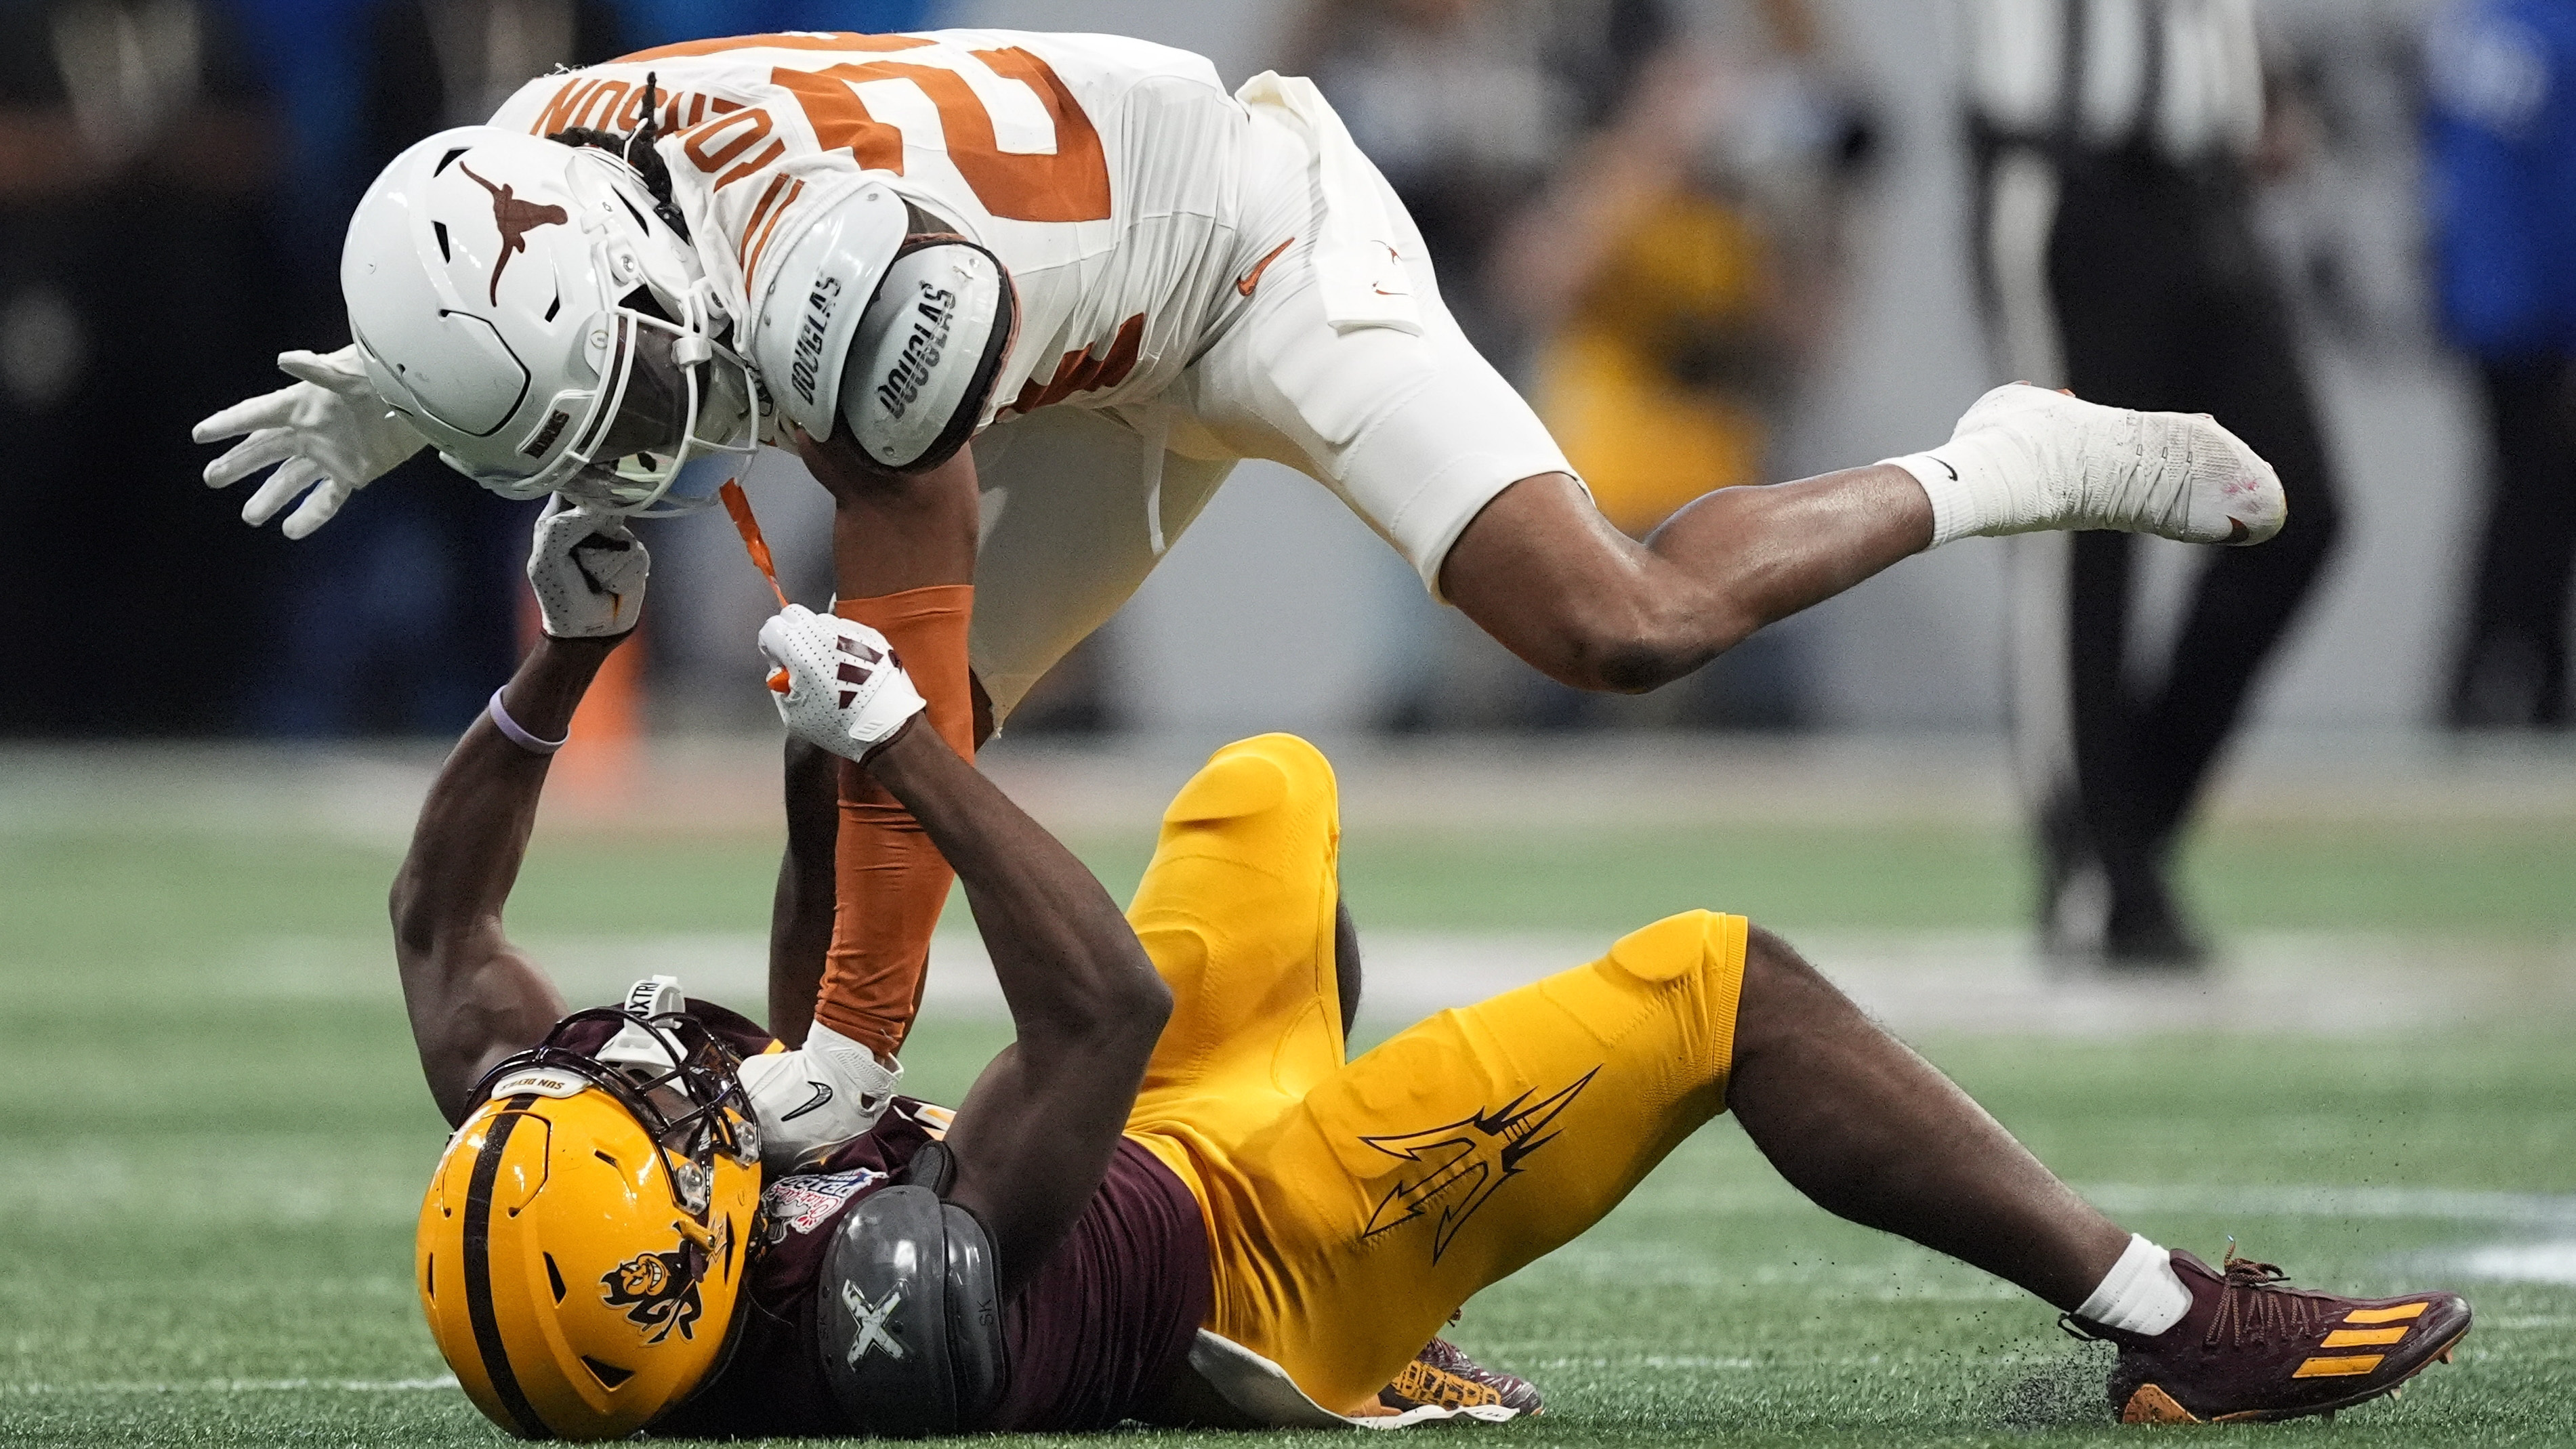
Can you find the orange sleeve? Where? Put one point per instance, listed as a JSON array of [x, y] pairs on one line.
[[889, 880]]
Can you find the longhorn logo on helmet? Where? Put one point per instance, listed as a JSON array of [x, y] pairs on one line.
[[515, 219]]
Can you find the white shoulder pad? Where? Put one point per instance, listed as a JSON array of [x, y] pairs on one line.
[[928, 348], [802, 325]]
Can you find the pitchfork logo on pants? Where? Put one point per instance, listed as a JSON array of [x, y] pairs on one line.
[[1467, 1160]]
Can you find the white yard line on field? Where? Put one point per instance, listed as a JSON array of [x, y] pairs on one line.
[[236, 1386], [1955, 982], [2513, 1209], [2551, 1262]]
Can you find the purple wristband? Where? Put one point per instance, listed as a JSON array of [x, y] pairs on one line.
[[517, 736]]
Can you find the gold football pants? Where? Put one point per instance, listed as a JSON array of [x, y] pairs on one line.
[[1352, 1207]]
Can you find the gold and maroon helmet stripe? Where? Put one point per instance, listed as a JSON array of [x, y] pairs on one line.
[[478, 1272]]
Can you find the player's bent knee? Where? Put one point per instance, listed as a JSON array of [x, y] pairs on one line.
[[1605, 639], [1677, 945], [1634, 646], [1540, 570], [1632, 663], [1687, 973], [1251, 777]]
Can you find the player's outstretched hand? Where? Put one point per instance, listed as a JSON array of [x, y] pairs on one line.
[[837, 683], [588, 570], [328, 433]]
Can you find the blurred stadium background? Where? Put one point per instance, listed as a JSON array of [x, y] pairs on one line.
[[211, 1136]]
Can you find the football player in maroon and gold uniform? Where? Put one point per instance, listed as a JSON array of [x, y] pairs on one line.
[[1172, 1198]]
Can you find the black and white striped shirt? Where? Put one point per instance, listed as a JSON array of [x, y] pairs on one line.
[[2181, 77]]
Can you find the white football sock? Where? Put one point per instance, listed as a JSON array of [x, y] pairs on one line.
[[2025, 458], [1979, 482], [2142, 1294]]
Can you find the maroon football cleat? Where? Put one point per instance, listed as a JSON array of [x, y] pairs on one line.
[[1442, 1374], [2252, 1347]]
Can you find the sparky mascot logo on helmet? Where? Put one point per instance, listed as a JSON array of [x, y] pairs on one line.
[[659, 1291]]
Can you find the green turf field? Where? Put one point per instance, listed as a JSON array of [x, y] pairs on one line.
[[208, 1193]]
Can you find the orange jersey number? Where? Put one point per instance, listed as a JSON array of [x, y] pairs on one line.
[[1071, 183]]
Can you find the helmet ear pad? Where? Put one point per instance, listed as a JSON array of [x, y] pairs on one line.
[[910, 396]]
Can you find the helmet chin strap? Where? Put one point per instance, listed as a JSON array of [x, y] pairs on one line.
[[634, 1046]]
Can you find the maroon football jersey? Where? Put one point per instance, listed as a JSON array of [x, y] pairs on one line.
[[1097, 1337]]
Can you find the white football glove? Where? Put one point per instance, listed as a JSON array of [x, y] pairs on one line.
[[842, 689], [588, 570], [813, 1099], [329, 432]]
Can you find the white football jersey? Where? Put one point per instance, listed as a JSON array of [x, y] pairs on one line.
[[1101, 170]]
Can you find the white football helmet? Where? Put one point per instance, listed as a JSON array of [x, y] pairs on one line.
[[518, 301]]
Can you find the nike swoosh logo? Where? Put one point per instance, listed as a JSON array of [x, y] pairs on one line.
[[1946, 468], [822, 1095], [1251, 279]]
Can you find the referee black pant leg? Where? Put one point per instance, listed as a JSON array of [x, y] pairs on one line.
[[2165, 302], [2247, 598], [2101, 701], [2123, 275]]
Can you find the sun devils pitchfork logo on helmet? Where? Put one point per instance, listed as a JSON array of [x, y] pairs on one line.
[[527, 305], [581, 1248]]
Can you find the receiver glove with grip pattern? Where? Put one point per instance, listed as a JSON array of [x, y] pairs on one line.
[[846, 692], [588, 570]]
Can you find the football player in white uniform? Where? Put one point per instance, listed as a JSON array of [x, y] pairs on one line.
[[1116, 279]]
